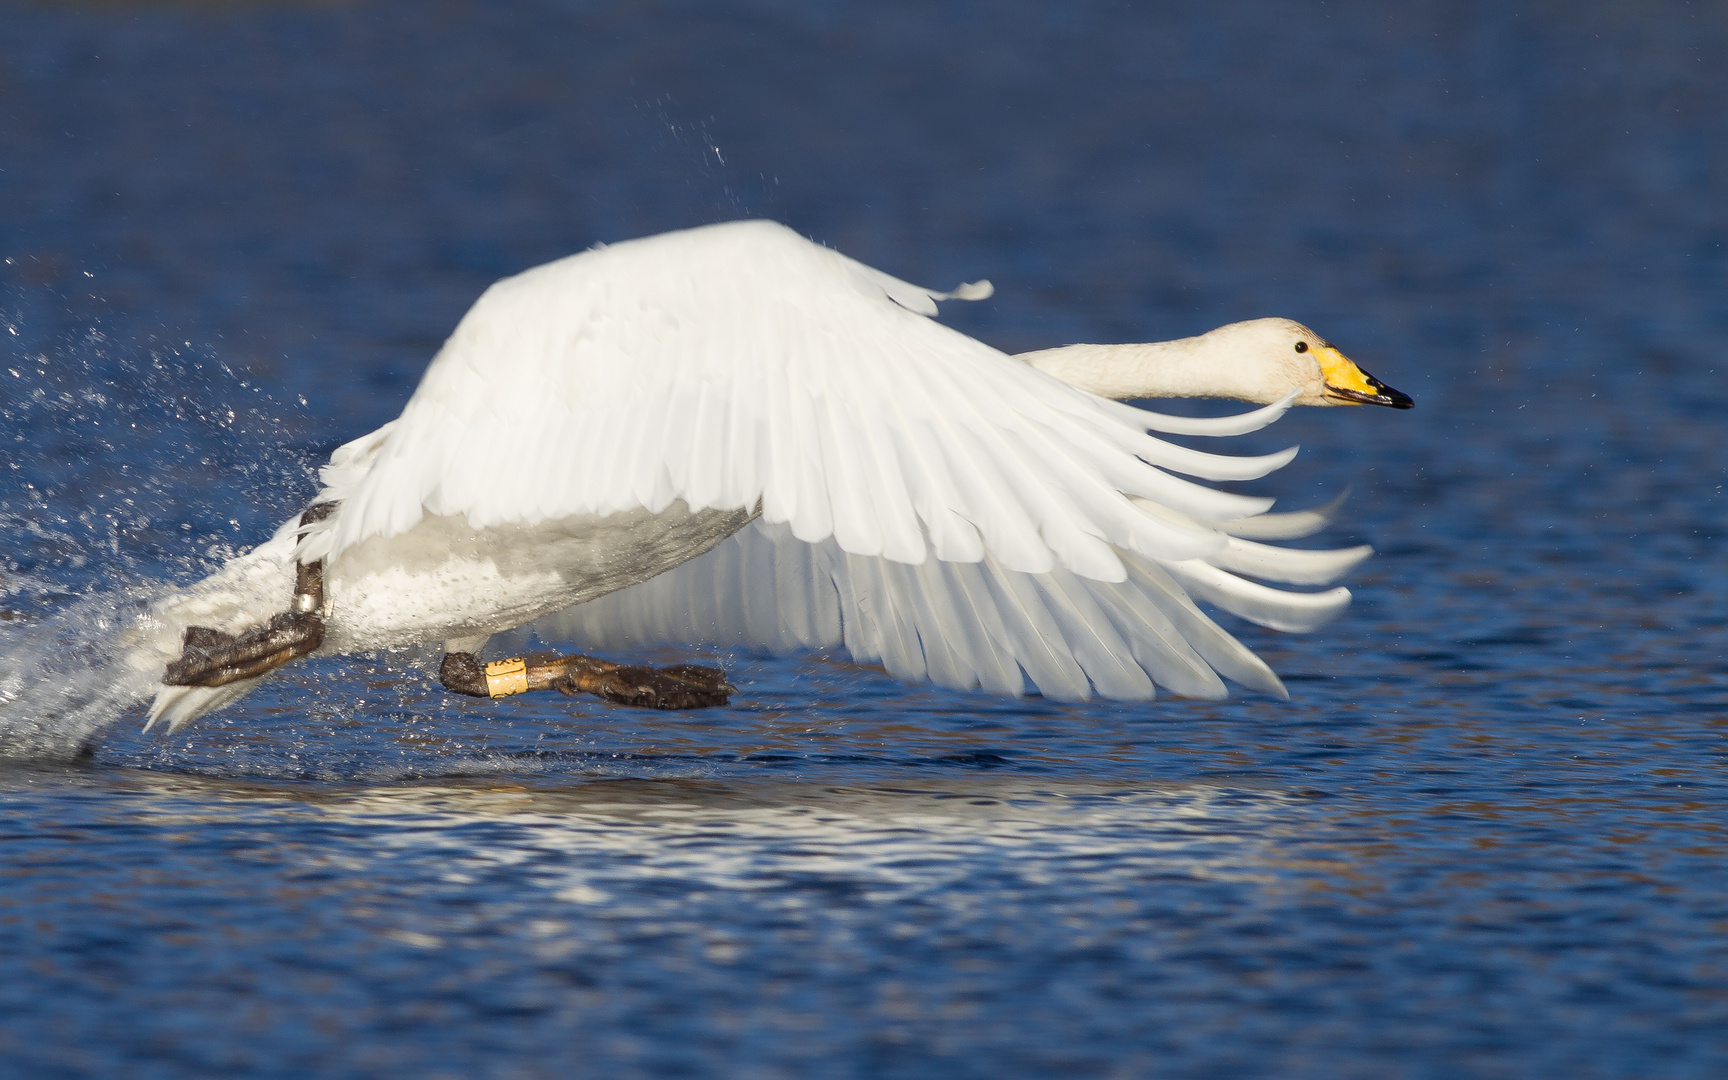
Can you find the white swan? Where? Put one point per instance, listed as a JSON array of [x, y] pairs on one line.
[[813, 459]]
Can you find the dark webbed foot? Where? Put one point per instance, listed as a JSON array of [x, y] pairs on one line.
[[684, 686], [463, 673], [212, 658], [681, 686]]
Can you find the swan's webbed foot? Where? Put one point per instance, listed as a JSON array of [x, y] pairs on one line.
[[462, 673], [213, 658], [681, 686]]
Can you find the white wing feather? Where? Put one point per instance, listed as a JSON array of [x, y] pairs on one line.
[[959, 624], [740, 363], [741, 366]]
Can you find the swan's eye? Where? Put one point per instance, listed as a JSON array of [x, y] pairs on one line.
[[1301, 346]]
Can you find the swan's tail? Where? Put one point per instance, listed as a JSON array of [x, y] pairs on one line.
[[180, 705], [242, 595], [250, 589]]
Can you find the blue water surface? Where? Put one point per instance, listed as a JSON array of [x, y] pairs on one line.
[[1485, 837]]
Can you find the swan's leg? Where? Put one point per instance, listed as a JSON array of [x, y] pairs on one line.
[[212, 658], [682, 686]]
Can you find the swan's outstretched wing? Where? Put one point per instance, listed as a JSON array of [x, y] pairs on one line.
[[966, 625], [741, 364]]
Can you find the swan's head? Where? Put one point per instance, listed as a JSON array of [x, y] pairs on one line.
[[1280, 355]]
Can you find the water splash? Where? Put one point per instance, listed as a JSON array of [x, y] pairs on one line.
[[130, 466], [64, 677]]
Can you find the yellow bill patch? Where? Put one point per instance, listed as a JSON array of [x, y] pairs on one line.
[[1341, 373]]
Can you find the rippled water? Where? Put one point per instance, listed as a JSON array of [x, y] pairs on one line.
[[1484, 838]]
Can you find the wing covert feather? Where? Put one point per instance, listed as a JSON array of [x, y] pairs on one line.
[[739, 363]]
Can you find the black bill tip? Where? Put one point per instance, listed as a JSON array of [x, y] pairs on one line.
[[1382, 395]]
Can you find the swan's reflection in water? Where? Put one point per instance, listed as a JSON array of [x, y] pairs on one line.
[[666, 920], [632, 844]]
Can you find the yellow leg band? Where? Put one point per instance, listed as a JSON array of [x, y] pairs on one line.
[[506, 677]]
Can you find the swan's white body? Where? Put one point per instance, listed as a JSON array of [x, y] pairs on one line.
[[733, 435]]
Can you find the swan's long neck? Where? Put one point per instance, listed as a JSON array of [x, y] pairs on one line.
[[1185, 368]]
